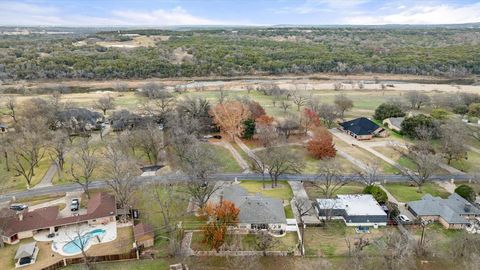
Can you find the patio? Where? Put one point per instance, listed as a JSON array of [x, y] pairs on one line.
[[67, 234]]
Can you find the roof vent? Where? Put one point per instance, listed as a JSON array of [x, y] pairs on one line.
[[467, 207]]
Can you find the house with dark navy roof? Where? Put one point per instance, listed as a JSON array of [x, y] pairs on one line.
[[453, 213], [363, 129]]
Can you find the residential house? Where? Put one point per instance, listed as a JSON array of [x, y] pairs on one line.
[[453, 213], [394, 123], [354, 210], [101, 209], [26, 254], [363, 129], [144, 235], [256, 211]]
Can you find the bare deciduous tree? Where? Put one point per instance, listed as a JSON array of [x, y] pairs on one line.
[[416, 99], [396, 252], [28, 149], [299, 100], [198, 161], [371, 174], [302, 206], [343, 104], [149, 141], [278, 161], [425, 162], [328, 113], [285, 105], [264, 241], [11, 106], [104, 104], [59, 147], [453, 136], [121, 171], [330, 179], [86, 162], [288, 124]]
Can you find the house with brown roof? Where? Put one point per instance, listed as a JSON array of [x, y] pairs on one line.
[[101, 209], [144, 235]]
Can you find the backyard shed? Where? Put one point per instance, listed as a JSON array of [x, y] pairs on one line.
[[26, 254], [144, 235]]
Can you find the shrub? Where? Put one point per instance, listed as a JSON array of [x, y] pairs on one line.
[[461, 109], [439, 114], [387, 110], [411, 124], [474, 109], [378, 193], [466, 192]]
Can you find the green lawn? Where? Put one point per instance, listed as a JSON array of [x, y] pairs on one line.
[[328, 242], [289, 212], [227, 161], [283, 191], [405, 193], [10, 182], [468, 165]]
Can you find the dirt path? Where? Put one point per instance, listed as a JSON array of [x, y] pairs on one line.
[[186, 250], [235, 155], [247, 150]]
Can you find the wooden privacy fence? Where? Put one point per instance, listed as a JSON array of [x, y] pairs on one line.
[[132, 254]]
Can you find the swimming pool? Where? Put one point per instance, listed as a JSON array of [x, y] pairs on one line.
[[75, 245]]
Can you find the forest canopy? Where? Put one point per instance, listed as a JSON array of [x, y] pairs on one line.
[[244, 51]]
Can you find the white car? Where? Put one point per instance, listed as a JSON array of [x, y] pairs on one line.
[[403, 218]]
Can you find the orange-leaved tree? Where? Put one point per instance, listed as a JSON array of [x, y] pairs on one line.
[[219, 217], [229, 116], [321, 146], [312, 119]]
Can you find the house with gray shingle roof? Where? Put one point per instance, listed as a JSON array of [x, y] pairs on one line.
[[394, 123], [256, 212], [453, 213]]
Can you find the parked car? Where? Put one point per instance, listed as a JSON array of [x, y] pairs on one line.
[[75, 205], [18, 207], [403, 219]]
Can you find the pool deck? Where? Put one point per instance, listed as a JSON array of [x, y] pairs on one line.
[[69, 233]]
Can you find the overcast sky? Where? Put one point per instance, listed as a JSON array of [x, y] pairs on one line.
[[235, 12]]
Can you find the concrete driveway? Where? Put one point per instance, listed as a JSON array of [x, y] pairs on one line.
[[65, 212]]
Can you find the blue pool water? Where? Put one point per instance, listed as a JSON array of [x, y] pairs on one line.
[[75, 245]]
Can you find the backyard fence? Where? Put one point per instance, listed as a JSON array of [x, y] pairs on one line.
[[242, 253], [132, 254]]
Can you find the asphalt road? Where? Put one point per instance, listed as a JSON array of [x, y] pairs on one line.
[[217, 177]]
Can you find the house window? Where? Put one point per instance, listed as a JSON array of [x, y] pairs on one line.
[[259, 226]]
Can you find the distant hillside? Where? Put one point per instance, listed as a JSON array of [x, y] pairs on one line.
[[116, 52]]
